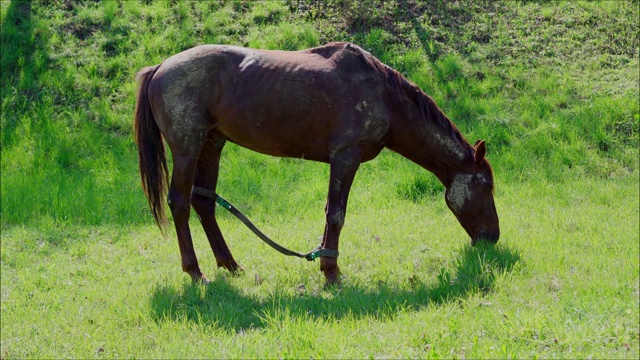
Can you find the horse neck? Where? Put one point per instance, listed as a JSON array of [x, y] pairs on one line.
[[433, 143]]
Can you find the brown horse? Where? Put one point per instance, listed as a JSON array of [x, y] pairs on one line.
[[336, 104]]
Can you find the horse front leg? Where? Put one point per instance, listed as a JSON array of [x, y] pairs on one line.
[[343, 168]]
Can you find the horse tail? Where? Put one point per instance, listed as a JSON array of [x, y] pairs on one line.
[[151, 152]]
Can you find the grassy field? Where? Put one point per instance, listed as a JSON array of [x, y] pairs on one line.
[[562, 282], [552, 87]]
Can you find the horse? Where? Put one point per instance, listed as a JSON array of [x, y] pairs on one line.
[[336, 104]]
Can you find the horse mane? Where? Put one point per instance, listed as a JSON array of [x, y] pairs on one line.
[[429, 110]]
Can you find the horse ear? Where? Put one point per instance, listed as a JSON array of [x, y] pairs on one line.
[[481, 151]]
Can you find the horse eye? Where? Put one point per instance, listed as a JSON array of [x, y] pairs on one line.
[[487, 190]]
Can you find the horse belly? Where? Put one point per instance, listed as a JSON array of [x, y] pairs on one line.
[[287, 119]]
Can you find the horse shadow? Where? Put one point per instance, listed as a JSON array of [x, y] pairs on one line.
[[221, 305]]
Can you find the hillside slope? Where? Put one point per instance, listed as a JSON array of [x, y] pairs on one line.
[[553, 87]]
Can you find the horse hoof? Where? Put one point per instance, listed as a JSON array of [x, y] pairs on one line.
[[237, 270], [333, 284], [200, 279], [333, 278], [231, 266]]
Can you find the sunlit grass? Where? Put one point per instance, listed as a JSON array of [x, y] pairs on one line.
[[562, 281]]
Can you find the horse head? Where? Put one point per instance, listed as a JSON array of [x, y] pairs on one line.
[[469, 195]]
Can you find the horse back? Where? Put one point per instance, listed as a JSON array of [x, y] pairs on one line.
[[306, 103]]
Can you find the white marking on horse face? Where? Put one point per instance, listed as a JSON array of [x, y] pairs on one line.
[[459, 191], [361, 105]]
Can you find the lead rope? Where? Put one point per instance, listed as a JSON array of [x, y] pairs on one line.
[[314, 254]]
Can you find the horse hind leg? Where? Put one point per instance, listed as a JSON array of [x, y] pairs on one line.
[[179, 202], [206, 177], [186, 156]]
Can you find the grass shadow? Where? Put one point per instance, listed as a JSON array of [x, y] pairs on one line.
[[17, 63], [223, 306]]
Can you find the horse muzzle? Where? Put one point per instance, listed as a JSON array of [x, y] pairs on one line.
[[490, 237]]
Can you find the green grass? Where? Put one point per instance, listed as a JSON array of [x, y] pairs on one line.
[[562, 282], [551, 86]]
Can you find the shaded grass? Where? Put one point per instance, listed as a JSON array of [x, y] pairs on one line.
[[223, 306]]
